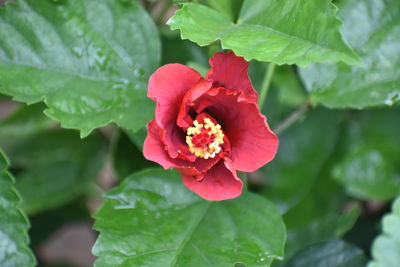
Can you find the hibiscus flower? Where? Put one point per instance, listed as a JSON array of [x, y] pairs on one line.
[[208, 128]]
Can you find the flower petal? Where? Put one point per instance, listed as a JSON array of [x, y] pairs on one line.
[[219, 183], [184, 119], [252, 142], [230, 71], [154, 148], [167, 86]]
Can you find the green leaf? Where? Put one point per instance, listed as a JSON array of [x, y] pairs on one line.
[[316, 207], [126, 157], [309, 223], [373, 29], [3, 162], [369, 170], [229, 8], [335, 253], [45, 230], [87, 60], [199, 68], [14, 249], [175, 50], [386, 247], [322, 215], [152, 219], [26, 120], [303, 150], [55, 165], [137, 137], [277, 31], [290, 90]]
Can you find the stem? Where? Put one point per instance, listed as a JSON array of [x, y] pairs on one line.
[[165, 8], [292, 118], [265, 85]]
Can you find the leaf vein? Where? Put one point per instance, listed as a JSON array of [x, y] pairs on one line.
[[190, 232]]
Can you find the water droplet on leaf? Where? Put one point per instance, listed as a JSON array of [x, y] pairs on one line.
[[392, 98]]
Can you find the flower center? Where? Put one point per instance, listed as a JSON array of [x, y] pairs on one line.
[[205, 139]]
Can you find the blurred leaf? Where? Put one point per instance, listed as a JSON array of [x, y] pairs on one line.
[[230, 8], [373, 29], [386, 247], [335, 253], [303, 150], [370, 168], [152, 219], [14, 240], [42, 228], [322, 211], [200, 68], [137, 137], [257, 70], [24, 121], [276, 31], [175, 50], [319, 216], [88, 60], [306, 227], [127, 158], [56, 166], [290, 90]]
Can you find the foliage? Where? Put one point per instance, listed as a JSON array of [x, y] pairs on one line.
[[329, 254], [177, 226], [78, 60], [376, 38], [14, 250], [269, 38], [385, 250], [79, 70]]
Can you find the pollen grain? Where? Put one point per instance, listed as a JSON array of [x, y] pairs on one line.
[[205, 139]]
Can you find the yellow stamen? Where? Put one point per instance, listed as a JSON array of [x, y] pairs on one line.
[[205, 140]]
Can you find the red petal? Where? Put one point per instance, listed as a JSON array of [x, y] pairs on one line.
[[230, 71], [252, 142], [167, 86], [219, 183], [154, 150], [184, 119]]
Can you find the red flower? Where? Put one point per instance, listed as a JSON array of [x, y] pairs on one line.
[[208, 128]]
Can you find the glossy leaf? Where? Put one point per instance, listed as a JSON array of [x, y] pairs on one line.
[[303, 150], [369, 169], [277, 31], [335, 253], [87, 60], [152, 219], [386, 247], [373, 29], [55, 165], [14, 249]]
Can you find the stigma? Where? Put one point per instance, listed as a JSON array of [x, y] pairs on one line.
[[205, 139]]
